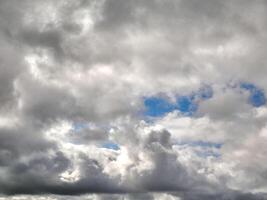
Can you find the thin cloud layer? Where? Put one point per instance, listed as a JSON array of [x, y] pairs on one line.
[[116, 99]]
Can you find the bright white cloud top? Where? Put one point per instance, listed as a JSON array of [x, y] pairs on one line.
[[133, 99]]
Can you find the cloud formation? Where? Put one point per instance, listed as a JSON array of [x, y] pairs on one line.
[[115, 99]]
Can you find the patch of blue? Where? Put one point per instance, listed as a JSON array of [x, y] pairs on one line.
[[207, 144], [111, 145], [205, 154], [205, 92], [257, 97], [248, 86], [186, 104], [158, 106], [79, 126], [202, 144]]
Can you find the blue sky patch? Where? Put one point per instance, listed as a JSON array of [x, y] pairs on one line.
[[257, 97], [207, 144], [202, 144], [110, 145], [205, 92], [79, 126], [186, 104], [205, 154], [158, 106]]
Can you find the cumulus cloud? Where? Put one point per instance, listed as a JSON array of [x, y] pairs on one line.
[[81, 81]]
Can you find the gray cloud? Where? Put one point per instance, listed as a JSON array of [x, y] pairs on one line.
[[73, 78]]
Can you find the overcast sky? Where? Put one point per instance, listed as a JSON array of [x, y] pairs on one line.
[[133, 100]]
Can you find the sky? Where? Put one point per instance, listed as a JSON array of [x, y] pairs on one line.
[[133, 100]]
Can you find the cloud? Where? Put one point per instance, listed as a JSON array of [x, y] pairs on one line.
[[147, 196], [118, 99]]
